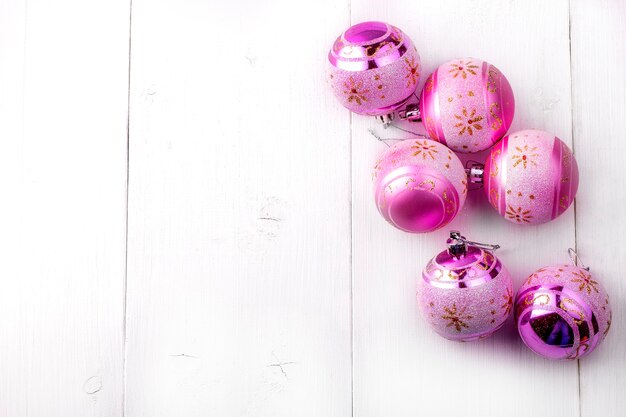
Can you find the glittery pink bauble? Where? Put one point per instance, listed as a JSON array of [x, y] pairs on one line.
[[562, 312], [373, 68], [531, 177], [467, 297], [420, 185], [467, 104]]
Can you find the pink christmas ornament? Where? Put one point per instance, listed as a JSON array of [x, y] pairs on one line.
[[467, 104], [465, 292], [531, 177], [562, 312], [374, 68], [420, 185]]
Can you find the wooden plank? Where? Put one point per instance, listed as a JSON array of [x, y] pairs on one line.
[[599, 94], [401, 368], [63, 113], [239, 213]]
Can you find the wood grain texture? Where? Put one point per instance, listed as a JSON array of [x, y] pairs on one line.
[[401, 368], [239, 213], [63, 113], [599, 97]]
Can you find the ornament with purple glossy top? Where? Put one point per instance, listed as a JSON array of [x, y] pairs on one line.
[[465, 292], [562, 312], [374, 68], [467, 104]]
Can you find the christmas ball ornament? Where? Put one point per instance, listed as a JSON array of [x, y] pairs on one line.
[[467, 104], [420, 185], [530, 177], [465, 292], [562, 312], [374, 68]]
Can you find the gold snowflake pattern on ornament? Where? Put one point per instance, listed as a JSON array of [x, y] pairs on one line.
[[447, 164], [571, 306], [606, 301], [535, 275], [424, 149], [608, 325], [428, 87], [497, 121], [412, 71], [377, 168], [355, 92], [379, 85], [585, 282], [524, 156], [582, 348], [463, 68], [537, 299], [484, 264], [519, 215], [491, 79], [494, 197], [450, 204], [508, 302], [495, 170], [430, 127], [566, 161], [468, 122], [393, 40], [427, 185], [456, 317]]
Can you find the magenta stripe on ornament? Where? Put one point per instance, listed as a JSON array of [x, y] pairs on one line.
[[503, 175], [572, 182], [352, 64], [435, 102], [486, 96], [557, 166], [489, 275], [496, 100]]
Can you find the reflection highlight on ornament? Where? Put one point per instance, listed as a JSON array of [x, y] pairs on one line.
[[562, 312]]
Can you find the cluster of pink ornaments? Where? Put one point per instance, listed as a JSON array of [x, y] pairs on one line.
[[530, 177]]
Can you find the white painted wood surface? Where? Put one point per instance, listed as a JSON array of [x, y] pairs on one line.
[[239, 214], [599, 97], [260, 280], [63, 112]]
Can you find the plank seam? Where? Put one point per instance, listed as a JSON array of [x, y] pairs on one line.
[[571, 78], [125, 301], [351, 253]]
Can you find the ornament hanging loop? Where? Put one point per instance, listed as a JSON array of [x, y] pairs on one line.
[[576, 259], [475, 172], [411, 113], [457, 244], [385, 119]]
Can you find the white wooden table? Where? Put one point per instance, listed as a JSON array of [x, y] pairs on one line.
[[188, 229]]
